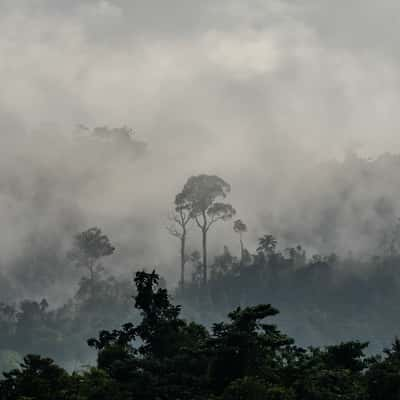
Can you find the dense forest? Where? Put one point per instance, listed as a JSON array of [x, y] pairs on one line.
[[340, 310], [323, 299], [245, 357]]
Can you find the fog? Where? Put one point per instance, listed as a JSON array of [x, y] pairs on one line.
[[266, 94]]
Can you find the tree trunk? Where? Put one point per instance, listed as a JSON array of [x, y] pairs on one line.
[[204, 231], [183, 243], [241, 249]]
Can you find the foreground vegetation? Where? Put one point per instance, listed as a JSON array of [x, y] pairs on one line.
[[246, 357], [322, 299]]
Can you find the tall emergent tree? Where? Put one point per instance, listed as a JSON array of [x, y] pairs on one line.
[[200, 194], [178, 226], [88, 249], [240, 227]]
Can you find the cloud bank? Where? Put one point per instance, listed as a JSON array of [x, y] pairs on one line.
[[258, 92]]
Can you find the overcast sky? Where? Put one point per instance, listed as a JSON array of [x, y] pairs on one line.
[[321, 72], [243, 89]]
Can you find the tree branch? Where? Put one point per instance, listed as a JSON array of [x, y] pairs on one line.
[[196, 218]]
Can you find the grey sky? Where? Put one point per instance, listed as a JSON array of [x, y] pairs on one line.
[[251, 90], [325, 68]]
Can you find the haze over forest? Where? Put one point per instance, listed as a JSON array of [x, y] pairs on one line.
[[267, 95], [108, 109]]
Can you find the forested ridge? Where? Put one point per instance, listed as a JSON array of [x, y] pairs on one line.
[[152, 352], [345, 306], [245, 357]]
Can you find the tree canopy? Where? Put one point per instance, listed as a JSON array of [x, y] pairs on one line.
[[246, 357]]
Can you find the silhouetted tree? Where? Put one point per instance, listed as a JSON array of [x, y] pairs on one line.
[[37, 378], [296, 256], [390, 242], [168, 361], [200, 193], [180, 219], [267, 244], [241, 346], [121, 138], [89, 248], [383, 375], [240, 227], [223, 264], [197, 267]]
